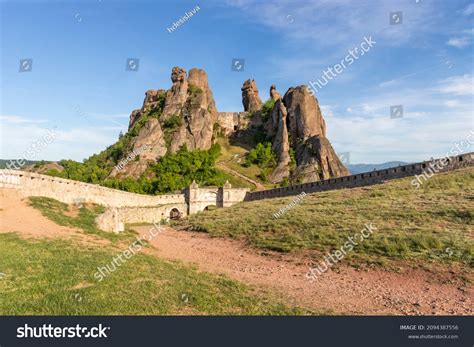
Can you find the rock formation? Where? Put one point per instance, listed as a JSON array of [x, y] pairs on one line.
[[281, 145], [305, 118], [186, 114], [250, 98], [150, 103], [198, 114], [317, 160], [298, 116], [183, 115], [177, 95], [274, 93]]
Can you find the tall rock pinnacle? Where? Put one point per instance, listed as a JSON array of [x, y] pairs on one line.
[[250, 98]]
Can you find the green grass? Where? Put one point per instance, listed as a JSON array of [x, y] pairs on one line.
[[228, 151], [411, 224], [57, 278], [85, 220]]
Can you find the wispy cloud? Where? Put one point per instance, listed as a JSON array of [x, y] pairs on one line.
[[432, 121], [70, 143], [463, 40], [457, 85], [340, 22], [20, 120], [469, 10]]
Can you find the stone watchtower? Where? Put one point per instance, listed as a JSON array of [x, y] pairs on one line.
[[226, 194], [199, 199], [193, 198]]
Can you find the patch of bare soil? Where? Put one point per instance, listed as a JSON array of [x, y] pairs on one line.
[[16, 215], [438, 290]]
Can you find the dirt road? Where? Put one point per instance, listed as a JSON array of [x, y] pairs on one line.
[[347, 291]]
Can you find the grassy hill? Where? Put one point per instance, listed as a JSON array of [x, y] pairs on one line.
[[435, 222]]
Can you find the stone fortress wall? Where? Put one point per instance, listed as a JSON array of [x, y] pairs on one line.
[[124, 207], [70, 191], [231, 122], [368, 178]]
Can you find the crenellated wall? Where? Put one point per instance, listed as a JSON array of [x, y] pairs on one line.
[[368, 178]]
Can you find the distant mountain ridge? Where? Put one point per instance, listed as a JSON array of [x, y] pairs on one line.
[[360, 168], [4, 162]]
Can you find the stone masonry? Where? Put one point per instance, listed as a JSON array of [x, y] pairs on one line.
[[124, 207]]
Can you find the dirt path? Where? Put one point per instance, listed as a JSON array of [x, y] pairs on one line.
[[348, 291], [259, 186], [16, 215]]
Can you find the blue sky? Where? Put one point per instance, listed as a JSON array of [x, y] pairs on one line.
[[78, 82]]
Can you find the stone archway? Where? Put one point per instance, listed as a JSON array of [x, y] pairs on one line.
[[175, 214], [210, 208]]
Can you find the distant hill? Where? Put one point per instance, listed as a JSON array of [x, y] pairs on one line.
[[360, 168], [4, 162]]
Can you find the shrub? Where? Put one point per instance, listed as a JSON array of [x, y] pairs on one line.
[[262, 155], [194, 90], [267, 109], [178, 170], [173, 122]]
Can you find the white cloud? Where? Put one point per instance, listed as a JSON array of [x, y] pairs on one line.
[[432, 122], [389, 83], [327, 110], [457, 85], [459, 42], [20, 120], [338, 22], [452, 103], [469, 10], [73, 143], [463, 39]]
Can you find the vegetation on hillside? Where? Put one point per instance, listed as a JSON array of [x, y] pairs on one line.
[[263, 156], [434, 222], [267, 109], [172, 172]]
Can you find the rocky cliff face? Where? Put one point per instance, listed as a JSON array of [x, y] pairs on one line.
[[183, 115], [281, 145], [186, 114], [198, 114], [298, 116]]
